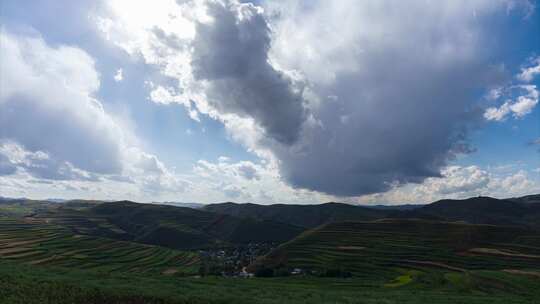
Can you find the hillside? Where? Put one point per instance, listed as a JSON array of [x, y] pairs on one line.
[[477, 210], [169, 226], [482, 210], [42, 244], [299, 215], [534, 198], [385, 249], [22, 206]]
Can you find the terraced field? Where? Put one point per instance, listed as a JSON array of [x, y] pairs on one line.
[[398, 249], [38, 243]]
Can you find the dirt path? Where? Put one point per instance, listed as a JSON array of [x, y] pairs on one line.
[[435, 264], [170, 271], [492, 251], [44, 260], [21, 243], [13, 250], [522, 272], [351, 247]]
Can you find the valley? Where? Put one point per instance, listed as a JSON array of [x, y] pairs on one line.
[[107, 252]]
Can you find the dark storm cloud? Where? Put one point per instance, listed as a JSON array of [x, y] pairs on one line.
[[402, 112], [231, 53]]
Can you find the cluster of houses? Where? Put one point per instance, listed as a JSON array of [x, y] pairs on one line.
[[232, 261]]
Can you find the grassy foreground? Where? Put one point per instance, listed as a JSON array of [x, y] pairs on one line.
[[28, 284]]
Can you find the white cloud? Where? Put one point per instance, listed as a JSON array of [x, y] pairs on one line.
[[47, 105], [226, 180], [516, 183], [160, 94], [521, 106], [528, 73], [525, 103], [53, 130], [119, 75], [497, 114], [461, 182], [40, 164], [461, 179]]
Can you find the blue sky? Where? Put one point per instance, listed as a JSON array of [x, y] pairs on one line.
[[269, 102]]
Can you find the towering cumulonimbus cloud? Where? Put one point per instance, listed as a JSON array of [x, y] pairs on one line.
[[398, 85], [348, 98]]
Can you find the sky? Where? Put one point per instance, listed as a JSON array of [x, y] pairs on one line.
[[363, 102]]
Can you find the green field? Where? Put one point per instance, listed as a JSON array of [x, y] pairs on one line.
[[30, 284]]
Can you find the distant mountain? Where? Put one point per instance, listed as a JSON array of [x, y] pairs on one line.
[[535, 198], [299, 215], [396, 207], [22, 206], [181, 204], [8, 199], [481, 210], [476, 210], [56, 200]]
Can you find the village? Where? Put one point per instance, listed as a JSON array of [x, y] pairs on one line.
[[233, 261]]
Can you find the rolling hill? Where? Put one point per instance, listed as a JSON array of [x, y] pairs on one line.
[[299, 215], [477, 210], [163, 225], [534, 198], [481, 210], [22, 206]]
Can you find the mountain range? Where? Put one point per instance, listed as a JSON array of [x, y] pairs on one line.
[[476, 210]]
